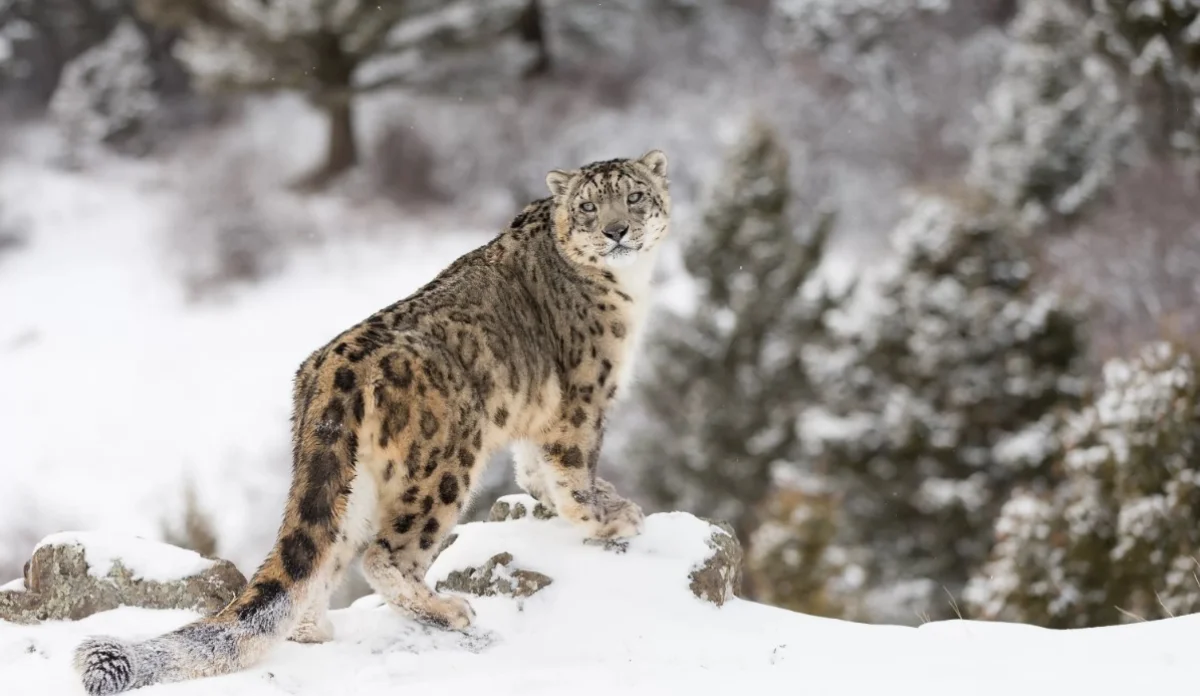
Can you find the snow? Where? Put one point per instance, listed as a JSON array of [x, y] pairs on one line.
[[1029, 446], [116, 388], [625, 623], [144, 559]]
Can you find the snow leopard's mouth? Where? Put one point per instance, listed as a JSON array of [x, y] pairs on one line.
[[620, 255], [618, 251]]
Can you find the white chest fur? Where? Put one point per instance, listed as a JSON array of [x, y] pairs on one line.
[[634, 280]]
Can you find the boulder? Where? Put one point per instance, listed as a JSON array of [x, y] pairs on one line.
[[719, 577], [77, 574], [495, 577], [523, 548]]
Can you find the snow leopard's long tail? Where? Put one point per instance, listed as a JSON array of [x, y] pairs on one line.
[[295, 574], [262, 616], [233, 639]]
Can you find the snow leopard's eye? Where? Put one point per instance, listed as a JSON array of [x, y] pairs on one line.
[[634, 197], [587, 207]]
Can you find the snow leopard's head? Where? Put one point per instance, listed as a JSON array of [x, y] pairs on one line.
[[611, 213]]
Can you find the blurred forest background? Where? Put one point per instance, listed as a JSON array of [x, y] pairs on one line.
[[924, 331]]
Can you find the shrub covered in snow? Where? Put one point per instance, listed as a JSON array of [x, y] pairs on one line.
[[1117, 539], [38, 38], [872, 46], [617, 29], [1136, 256], [106, 95], [1056, 123], [942, 400], [728, 378], [1156, 44], [844, 29], [895, 78], [231, 229]]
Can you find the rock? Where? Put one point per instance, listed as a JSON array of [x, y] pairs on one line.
[[700, 557], [75, 575], [719, 577], [613, 545], [495, 577], [515, 507]]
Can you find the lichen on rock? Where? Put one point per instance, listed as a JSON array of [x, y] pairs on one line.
[[495, 577], [719, 578]]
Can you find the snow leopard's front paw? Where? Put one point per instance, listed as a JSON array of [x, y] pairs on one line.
[[599, 512], [619, 518]]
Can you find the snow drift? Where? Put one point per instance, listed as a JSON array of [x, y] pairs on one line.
[[622, 618]]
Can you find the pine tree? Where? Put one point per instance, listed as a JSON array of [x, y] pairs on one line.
[[1117, 540], [331, 51], [941, 400], [1057, 122], [727, 379]]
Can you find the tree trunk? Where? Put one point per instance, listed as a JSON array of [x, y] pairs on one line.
[[335, 75], [531, 29], [341, 148], [341, 152]]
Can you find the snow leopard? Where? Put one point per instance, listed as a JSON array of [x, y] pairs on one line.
[[525, 342]]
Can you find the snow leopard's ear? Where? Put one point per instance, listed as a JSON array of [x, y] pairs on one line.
[[656, 162], [558, 181]]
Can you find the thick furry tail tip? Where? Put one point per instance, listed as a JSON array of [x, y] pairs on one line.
[[105, 665]]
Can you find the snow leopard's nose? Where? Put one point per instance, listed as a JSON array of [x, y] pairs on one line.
[[616, 230]]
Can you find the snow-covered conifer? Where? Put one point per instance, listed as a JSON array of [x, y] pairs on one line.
[[942, 399], [1117, 540], [1056, 123], [727, 379], [1156, 45]]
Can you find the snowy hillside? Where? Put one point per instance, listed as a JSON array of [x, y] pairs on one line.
[[117, 388], [626, 623]]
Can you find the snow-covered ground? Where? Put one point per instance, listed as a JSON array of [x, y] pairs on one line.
[[115, 388], [627, 623]]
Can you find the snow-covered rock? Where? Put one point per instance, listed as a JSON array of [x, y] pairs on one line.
[[76, 574], [524, 547]]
